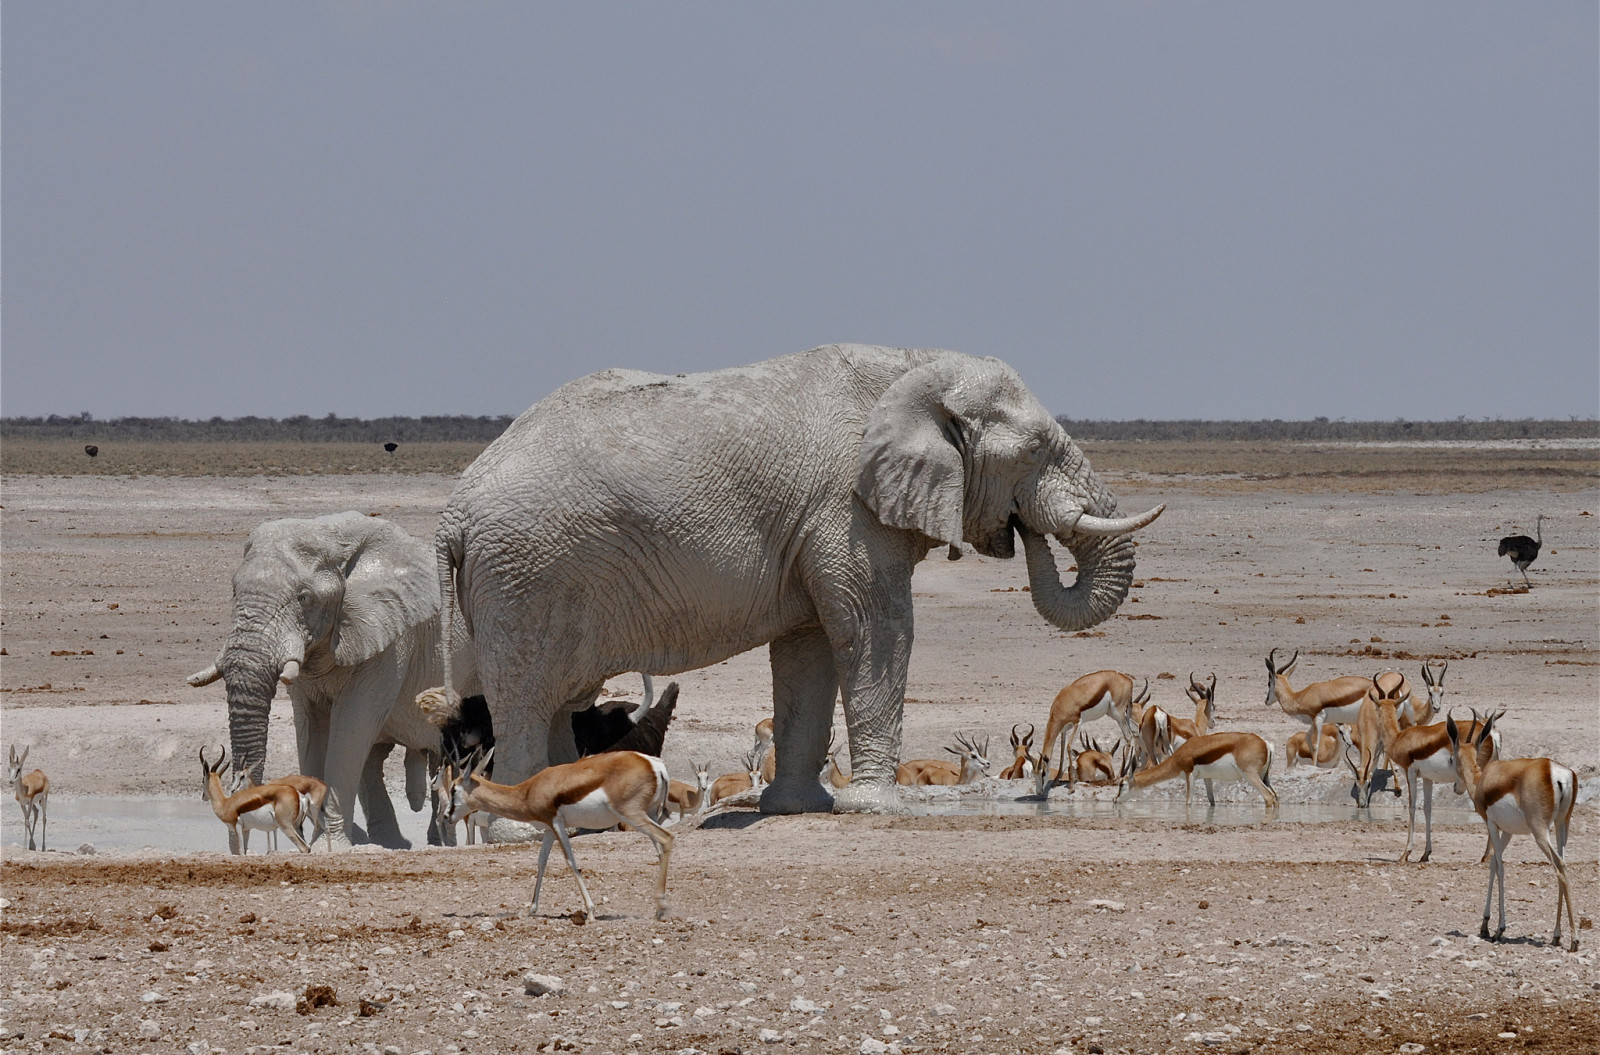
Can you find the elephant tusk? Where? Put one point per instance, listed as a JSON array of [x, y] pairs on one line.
[[291, 671], [204, 677], [1092, 525]]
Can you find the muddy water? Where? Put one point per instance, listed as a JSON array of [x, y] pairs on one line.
[[130, 823], [174, 825]]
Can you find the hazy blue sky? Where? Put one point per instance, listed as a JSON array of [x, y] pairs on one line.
[[1226, 210]]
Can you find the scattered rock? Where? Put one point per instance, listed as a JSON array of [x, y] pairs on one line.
[[316, 996], [86, 849], [153, 997], [1112, 906], [281, 998], [372, 1007], [804, 1006], [543, 985], [944, 1009], [149, 1029], [770, 1036], [1412, 1049], [873, 1046]]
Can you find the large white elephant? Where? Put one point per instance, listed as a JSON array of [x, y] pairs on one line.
[[634, 521], [344, 609]]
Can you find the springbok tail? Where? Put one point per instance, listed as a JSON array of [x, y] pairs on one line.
[[1266, 773]]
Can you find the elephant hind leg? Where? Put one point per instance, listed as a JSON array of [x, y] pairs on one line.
[[804, 686]]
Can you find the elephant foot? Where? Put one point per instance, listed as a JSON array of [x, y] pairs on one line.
[[798, 797], [862, 797], [503, 831], [388, 838]]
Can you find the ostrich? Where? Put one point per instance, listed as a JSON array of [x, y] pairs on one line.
[[391, 446], [1524, 550], [90, 449]]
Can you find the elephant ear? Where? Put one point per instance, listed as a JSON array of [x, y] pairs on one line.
[[910, 471], [390, 587]]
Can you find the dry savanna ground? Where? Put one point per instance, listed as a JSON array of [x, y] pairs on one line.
[[1095, 932]]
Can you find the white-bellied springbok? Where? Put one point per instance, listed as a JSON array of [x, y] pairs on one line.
[[263, 808], [1105, 692], [1021, 767], [730, 784], [690, 798], [1516, 796], [313, 803], [594, 792], [1367, 735], [1215, 756], [1422, 755], [766, 750], [1329, 755], [447, 786], [33, 794], [1093, 764], [1421, 712], [1160, 731], [1337, 700], [974, 763]]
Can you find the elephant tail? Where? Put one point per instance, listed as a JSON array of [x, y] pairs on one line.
[[443, 704]]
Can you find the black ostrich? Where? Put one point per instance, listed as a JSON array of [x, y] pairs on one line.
[[1524, 550], [90, 449], [391, 446]]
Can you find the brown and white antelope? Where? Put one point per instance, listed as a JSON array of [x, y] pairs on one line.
[[731, 784], [1160, 731], [1093, 764], [1105, 692], [1422, 755], [1421, 713], [594, 792], [447, 785], [690, 798], [974, 763], [1329, 754], [1367, 733], [313, 802], [1216, 756], [1338, 700], [1516, 796], [766, 750], [264, 808], [1021, 767], [33, 794]]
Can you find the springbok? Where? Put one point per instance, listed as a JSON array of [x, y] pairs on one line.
[[1093, 764], [1161, 732], [1516, 796], [1338, 700], [32, 792], [1367, 734], [766, 750], [313, 804], [1328, 751], [730, 784], [265, 807], [594, 792], [1021, 767], [1105, 692], [447, 785], [1215, 756], [974, 763], [690, 798], [1422, 754], [1414, 713]]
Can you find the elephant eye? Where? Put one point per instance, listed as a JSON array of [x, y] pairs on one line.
[[304, 597]]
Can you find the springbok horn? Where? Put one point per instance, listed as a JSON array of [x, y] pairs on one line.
[[1093, 525], [1144, 693]]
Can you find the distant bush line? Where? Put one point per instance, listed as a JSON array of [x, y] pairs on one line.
[[464, 429]]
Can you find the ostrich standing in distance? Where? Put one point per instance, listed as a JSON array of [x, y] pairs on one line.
[[1524, 550]]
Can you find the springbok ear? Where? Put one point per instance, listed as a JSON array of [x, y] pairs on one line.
[[390, 587], [910, 470]]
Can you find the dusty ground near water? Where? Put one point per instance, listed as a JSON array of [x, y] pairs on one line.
[[936, 934]]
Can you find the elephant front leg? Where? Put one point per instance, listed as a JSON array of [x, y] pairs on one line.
[[804, 686], [872, 668]]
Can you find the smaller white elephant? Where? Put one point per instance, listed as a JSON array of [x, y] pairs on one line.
[[344, 610]]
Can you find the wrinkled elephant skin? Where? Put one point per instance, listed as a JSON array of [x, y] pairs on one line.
[[633, 521], [345, 610]]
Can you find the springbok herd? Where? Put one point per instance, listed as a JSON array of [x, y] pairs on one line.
[[1363, 723]]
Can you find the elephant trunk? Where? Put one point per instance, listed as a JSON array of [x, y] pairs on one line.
[[251, 667], [1105, 572]]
